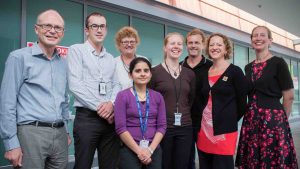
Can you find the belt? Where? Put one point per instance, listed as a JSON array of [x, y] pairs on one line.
[[58, 124]]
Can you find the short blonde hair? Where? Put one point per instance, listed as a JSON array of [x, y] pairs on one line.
[[227, 42], [124, 32]]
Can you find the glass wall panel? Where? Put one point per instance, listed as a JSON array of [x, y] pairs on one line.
[[296, 105], [298, 79], [252, 55], [115, 21], [183, 33], [10, 35], [295, 75], [240, 56], [288, 61], [152, 36], [73, 19]]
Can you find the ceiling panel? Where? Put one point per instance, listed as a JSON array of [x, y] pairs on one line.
[[284, 14]]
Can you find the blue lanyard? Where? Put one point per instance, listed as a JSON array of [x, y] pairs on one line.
[[143, 125]]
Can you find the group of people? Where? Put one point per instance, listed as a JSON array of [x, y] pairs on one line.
[[138, 116]]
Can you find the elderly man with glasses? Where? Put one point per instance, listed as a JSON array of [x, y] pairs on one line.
[[94, 84], [34, 100]]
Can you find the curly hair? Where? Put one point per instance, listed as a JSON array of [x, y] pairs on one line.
[[227, 42], [124, 32]]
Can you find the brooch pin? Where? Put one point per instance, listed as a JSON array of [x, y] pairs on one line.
[[225, 78]]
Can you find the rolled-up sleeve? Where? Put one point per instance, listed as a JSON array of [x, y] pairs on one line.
[[11, 83]]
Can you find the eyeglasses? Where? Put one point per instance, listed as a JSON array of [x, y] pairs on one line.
[[48, 27], [96, 27], [132, 42]]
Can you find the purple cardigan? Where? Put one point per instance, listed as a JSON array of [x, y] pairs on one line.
[[127, 117]]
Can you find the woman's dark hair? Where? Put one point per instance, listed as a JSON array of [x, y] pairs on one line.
[[136, 61]]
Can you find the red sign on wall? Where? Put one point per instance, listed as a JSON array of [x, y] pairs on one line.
[[62, 50]]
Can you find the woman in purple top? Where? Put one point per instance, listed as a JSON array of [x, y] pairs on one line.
[[140, 120]]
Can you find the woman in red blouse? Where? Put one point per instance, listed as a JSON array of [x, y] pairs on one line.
[[224, 89]]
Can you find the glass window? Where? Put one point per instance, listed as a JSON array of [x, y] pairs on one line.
[[287, 60], [73, 19], [152, 35], [115, 21], [252, 55], [295, 75], [240, 56], [183, 33], [298, 80], [10, 16], [10, 21], [296, 105]]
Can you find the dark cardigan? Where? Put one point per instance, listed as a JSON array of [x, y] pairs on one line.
[[268, 88], [229, 99]]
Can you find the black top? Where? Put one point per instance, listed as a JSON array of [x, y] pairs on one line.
[[162, 82], [274, 79], [200, 70], [229, 99]]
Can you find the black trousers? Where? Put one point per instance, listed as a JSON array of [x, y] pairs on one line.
[[215, 161], [192, 164], [176, 146], [129, 160], [90, 133]]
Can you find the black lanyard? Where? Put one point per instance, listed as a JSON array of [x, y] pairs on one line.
[[174, 84]]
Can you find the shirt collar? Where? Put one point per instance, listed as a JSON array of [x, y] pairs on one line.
[[93, 51], [38, 52], [203, 61]]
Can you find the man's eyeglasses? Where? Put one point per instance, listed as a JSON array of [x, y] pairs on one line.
[[132, 42], [48, 27], [96, 27]]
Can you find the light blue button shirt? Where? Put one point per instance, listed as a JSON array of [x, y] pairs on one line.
[[86, 71], [33, 88]]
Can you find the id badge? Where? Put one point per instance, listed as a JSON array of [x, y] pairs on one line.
[[177, 121], [102, 88], [144, 143]]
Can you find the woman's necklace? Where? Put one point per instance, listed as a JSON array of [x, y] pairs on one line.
[[264, 58], [217, 70], [126, 67], [141, 97], [174, 70]]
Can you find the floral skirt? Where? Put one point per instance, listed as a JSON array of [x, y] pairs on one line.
[[265, 140]]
